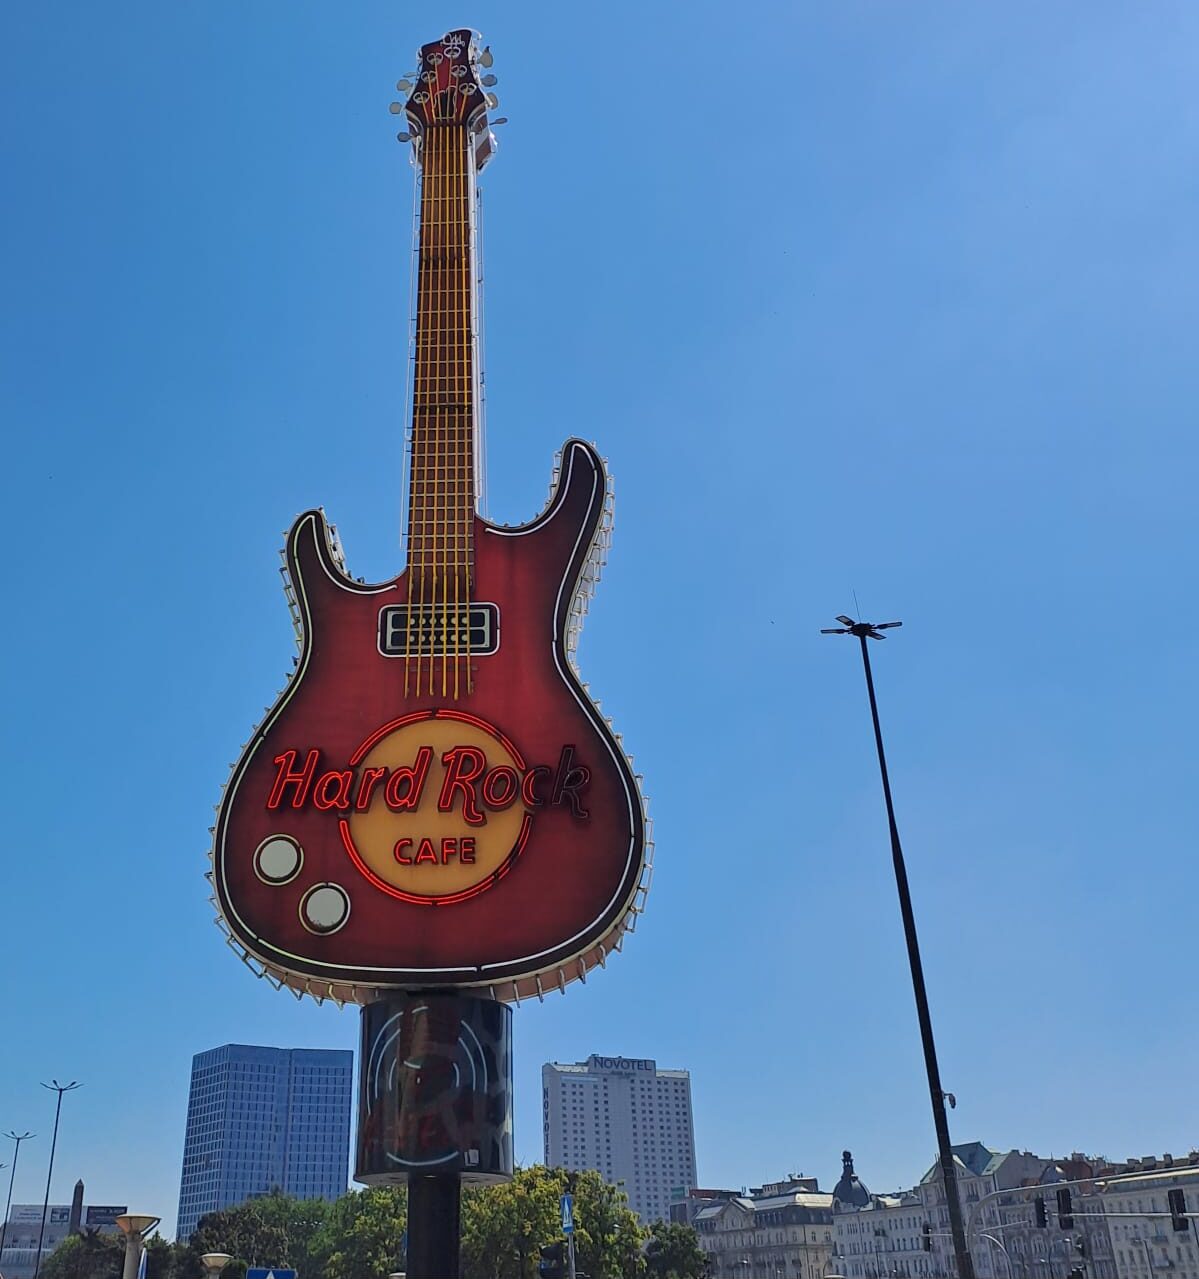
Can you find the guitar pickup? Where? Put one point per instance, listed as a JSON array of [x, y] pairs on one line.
[[439, 630]]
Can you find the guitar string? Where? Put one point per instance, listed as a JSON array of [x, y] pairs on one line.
[[438, 409], [430, 376], [445, 362], [451, 503], [468, 441], [450, 411], [448, 407], [418, 378], [462, 532]]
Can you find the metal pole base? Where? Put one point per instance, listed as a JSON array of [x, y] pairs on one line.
[[434, 1205]]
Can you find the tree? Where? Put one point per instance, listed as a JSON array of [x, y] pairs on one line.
[[503, 1226], [272, 1230], [162, 1257], [90, 1255], [608, 1237], [673, 1252], [361, 1236]]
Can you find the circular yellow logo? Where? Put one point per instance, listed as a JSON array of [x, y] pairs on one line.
[[442, 807]]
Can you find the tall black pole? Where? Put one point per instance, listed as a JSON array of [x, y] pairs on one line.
[[434, 1226], [55, 1086], [965, 1266], [12, 1176]]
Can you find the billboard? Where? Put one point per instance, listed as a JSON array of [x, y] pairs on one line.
[[26, 1214], [98, 1215], [434, 799]]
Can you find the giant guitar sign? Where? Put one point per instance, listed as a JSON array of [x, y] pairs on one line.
[[434, 800]]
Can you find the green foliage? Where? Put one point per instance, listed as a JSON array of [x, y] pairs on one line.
[[361, 1236], [504, 1226], [90, 1255], [673, 1252], [608, 1237], [160, 1258], [272, 1230]]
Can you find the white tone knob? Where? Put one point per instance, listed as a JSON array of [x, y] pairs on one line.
[[324, 908], [278, 859]]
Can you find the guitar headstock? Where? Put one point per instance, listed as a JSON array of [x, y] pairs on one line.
[[449, 88]]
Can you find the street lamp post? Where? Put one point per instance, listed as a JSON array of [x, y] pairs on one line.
[[1148, 1255], [135, 1226], [215, 1262], [1002, 1248], [54, 1086], [863, 631], [12, 1176]]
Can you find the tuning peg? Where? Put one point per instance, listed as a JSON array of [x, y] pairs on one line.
[[485, 58], [489, 80], [502, 120], [403, 85], [395, 107], [403, 137], [492, 101]]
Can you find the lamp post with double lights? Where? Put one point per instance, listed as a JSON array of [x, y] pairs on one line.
[[53, 1086], [16, 1138], [862, 631]]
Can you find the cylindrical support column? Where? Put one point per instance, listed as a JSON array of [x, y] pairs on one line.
[[133, 1255], [434, 1229], [434, 1109]]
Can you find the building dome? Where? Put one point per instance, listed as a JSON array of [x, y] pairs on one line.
[[849, 1191]]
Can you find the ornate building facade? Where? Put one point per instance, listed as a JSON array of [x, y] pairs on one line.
[[778, 1231]]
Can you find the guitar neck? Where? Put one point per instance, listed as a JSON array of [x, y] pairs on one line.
[[444, 463]]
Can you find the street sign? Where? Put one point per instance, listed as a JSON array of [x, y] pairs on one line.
[[262, 1272], [568, 1218]]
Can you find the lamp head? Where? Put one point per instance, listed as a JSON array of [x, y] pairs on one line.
[[215, 1262], [137, 1223]]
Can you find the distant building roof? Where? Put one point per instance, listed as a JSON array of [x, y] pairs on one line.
[[975, 1158], [849, 1190], [801, 1198]]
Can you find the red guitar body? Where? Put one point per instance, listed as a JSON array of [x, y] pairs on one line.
[[381, 831]]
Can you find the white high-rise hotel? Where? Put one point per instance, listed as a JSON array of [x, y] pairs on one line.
[[626, 1119]]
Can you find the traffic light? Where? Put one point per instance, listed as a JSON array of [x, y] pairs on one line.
[[926, 1237], [1042, 1217], [552, 1264], [1177, 1200], [1065, 1219]]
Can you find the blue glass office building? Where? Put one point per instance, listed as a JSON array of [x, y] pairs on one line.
[[260, 1119]]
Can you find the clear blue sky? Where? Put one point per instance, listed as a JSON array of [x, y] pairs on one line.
[[889, 298]]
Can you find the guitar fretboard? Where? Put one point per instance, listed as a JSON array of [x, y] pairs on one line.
[[442, 493]]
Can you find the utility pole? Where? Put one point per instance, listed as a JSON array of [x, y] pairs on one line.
[[863, 631]]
